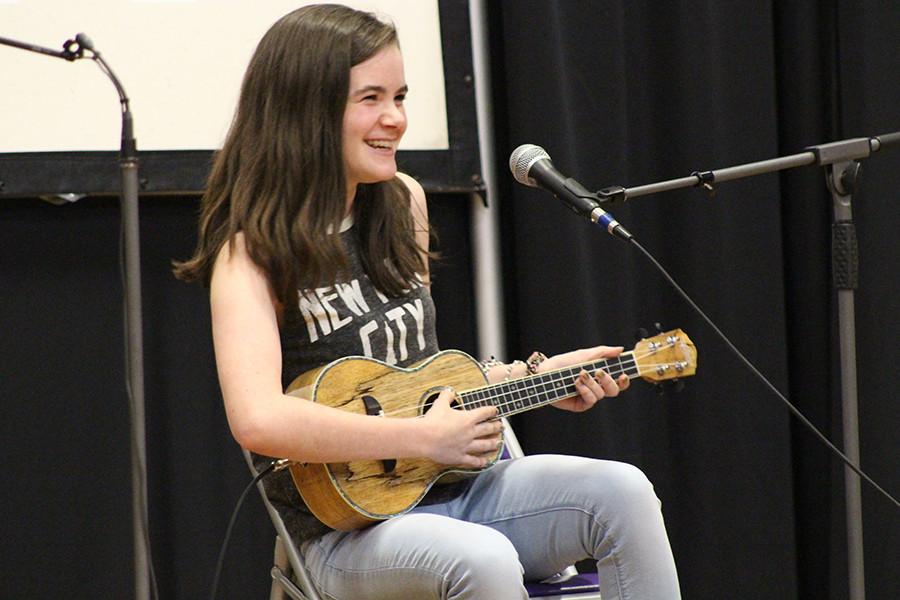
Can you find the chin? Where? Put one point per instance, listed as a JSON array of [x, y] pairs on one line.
[[381, 175]]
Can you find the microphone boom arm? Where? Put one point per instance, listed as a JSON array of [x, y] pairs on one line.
[[821, 155], [72, 49]]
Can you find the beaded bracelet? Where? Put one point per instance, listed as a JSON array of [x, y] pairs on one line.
[[534, 361], [488, 364]]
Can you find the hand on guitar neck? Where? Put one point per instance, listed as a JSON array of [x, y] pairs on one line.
[[591, 387]]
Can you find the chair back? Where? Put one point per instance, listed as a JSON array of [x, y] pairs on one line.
[[301, 576]]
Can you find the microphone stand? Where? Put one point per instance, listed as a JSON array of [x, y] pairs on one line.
[[841, 162], [128, 165]]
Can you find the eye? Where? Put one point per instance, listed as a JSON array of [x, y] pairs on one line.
[[399, 98]]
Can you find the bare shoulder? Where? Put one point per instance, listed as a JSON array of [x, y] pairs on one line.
[[232, 255], [419, 205], [236, 274], [415, 188]]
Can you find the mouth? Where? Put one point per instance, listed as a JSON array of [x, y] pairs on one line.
[[384, 145]]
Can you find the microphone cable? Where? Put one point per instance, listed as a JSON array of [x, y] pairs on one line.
[[531, 166], [234, 514], [793, 409]]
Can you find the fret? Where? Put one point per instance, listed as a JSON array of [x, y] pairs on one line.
[[474, 399], [520, 394], [534, 391]]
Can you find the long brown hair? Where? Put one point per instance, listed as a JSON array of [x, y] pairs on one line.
[[279, 177]]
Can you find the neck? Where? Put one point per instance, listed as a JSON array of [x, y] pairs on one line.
[[534, 391], [351, 196]]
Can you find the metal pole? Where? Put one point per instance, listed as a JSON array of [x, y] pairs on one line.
[[852, 484], [135, 369], [128, 163], [485, 246], [841, 181]]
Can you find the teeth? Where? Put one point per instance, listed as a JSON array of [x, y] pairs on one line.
[[385, 145]]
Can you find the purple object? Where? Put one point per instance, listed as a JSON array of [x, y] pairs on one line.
[[582, 583]]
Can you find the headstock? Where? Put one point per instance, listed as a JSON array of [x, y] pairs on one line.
[[668, 355]]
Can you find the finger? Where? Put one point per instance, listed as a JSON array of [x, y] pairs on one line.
[[607, 383], [488, 428], [473, 462], [588, 389], [593, 384], [446, 397], [490, 455], [479, 460], [624, 382], [484, 446], [609, 351], [483, 413]]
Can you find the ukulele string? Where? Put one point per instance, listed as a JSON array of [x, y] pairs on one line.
[[474, 404], [614, 370], [563, 387]]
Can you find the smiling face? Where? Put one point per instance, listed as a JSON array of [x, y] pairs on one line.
[[374, 119]]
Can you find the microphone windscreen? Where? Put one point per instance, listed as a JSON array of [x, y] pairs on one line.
[[521, 160], [85, 42]]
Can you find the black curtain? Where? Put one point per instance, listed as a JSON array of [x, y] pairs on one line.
[[64, 415], [625, 93], [618, 93]]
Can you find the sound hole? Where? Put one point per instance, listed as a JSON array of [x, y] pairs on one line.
[[432, 395]]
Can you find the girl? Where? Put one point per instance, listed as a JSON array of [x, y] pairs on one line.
[[315, 248]]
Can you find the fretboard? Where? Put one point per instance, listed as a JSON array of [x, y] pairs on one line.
[[534, 391]]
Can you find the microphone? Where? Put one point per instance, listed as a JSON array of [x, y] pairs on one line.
[[531, 166], [85, 42]]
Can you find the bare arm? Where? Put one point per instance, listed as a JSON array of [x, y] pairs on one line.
[[264, 420]]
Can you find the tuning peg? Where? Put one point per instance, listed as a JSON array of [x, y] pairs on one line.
[[660, 389], [677, 385], [658, 327], [641, 334]]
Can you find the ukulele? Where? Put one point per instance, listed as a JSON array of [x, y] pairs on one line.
[[349, 496]]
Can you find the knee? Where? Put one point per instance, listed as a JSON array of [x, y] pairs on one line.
[[490, 552], [633, 481], [625, 486], [488, 561]]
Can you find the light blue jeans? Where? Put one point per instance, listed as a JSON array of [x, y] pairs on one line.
[[524, 518]]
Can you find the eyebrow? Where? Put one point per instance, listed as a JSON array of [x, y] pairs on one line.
[[379, 89]]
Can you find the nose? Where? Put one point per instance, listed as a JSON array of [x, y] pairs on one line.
[[394, 116]]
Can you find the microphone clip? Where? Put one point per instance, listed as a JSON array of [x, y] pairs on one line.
[[611, 195], [706, 180], [74, 48]]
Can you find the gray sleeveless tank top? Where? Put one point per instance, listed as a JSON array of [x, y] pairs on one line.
[[352, 318]]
